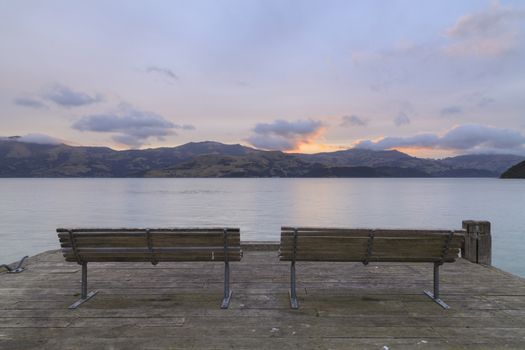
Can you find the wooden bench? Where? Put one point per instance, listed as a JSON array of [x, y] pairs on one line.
[[366, 245], [150, 245]]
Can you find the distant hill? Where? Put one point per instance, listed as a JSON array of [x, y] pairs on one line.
[[515, 172], [475, 165], [490, 162], [20, 159], [214, 159]]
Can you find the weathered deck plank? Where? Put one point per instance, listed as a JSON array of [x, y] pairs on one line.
[[343, 305]]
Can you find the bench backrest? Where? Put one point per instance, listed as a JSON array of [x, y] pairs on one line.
[[365, 245], [153, 245]]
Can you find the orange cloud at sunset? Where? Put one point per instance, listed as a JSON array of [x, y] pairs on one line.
[[314, 147], [286, 135], [424, 152]]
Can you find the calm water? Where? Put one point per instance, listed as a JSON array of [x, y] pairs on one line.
[[31, 209]]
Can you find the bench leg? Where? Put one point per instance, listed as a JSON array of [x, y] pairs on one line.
[[435, 296], [293, 294], [227, 292], [84, 295]]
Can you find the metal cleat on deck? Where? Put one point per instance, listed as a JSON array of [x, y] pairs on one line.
[[18, 267]]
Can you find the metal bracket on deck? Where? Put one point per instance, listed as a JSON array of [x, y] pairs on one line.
[[369, 246], [83, 300], [294, 304], [227, 291], [18, 267], [84, 295], [436, 300], [226, 301], [435, 296], [154, 260]]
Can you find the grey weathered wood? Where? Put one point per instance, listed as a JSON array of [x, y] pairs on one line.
[[344, 306], [478, 242]]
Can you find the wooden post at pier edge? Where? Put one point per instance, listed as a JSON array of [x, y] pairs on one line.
[[478, 242]]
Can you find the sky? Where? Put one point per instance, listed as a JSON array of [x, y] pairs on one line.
[[429, 78]]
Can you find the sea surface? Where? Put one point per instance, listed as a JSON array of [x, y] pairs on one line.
[[32, 209]]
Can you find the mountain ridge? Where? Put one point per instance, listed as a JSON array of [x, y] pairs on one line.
[[215, 159]]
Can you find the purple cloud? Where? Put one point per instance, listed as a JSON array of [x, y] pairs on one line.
[[284, 135], [66, 97], [448, 111], [490, 32], [35, 138], [131, 127], [163, 71], [353, 120], [473, 138], [29, 102], [401, 119]]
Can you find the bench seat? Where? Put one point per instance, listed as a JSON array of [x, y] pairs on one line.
[[83, 245], [369, 245]]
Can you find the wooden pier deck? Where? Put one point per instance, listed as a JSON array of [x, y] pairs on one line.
[[342, 306]]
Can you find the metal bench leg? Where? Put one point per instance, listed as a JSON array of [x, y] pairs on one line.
[[293, 295], [435, 296], [227, 292], [84, 295]]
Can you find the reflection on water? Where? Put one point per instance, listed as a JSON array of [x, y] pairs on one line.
[[31, 209]]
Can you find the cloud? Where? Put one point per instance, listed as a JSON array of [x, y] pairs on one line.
[[284, 135], [421, 140], [35, 138], [398, 50], [130, 126], [29, 102], [353, 120], [471, 138], [485, 101], [490, 32], [473, 135], [66, 97], [401, 119], [164, 72], [478, 99], [447, 111]]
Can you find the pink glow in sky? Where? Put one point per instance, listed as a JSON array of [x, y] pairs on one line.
[[429, 78]]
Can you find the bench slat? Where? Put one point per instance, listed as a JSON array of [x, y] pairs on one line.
[[327, 229], [361, 252], [305, 231], [372, 259], [211, 255], [160, 249], [319, 240], [137, 233], [156, 239], [169, 258], [360, 255], [168, 229], [378, 243]]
